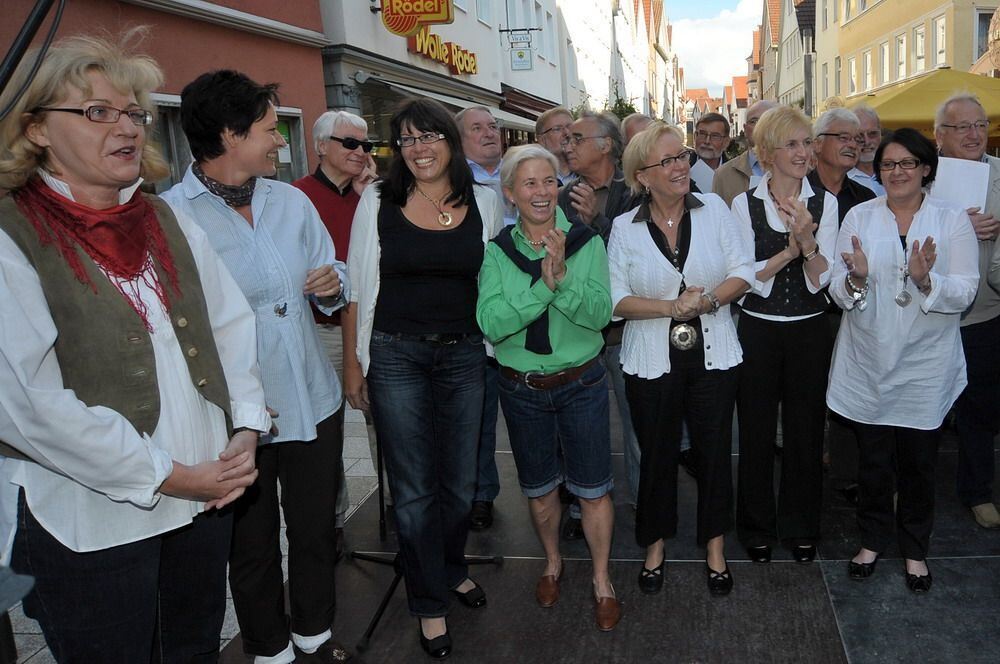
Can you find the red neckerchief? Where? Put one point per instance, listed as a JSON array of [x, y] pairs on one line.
[[121, 239]]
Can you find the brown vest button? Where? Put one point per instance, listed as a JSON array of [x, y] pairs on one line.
[[192, 352], [182, 322]]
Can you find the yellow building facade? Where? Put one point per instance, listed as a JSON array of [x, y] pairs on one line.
[[884, 42]]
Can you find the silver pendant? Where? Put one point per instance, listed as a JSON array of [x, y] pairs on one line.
[[903, 298], [683, 336]]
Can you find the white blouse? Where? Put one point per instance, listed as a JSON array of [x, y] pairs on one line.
[[721, 248], [893, 365], [826, 238], [97, 481]]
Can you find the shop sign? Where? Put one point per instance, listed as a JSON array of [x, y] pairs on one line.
[[520, 59], [406, 17], [459, 60]]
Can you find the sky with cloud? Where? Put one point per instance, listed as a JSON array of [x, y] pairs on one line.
[[713, 39]]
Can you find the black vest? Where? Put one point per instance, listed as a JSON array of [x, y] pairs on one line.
[[789, 294]]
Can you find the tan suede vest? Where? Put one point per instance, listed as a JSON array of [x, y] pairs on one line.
[[104, 351]]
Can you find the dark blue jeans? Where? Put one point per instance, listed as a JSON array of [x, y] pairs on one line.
[[571, 417], [487, 476], [427, 402], [164, 594]]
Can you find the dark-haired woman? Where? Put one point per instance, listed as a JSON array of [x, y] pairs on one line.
[[414, 354], [908, 268], [272, 240]]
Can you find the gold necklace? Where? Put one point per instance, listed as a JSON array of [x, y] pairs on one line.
[[444, 218]]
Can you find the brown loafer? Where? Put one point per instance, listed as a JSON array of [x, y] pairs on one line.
[[547, 590], [607, 611]]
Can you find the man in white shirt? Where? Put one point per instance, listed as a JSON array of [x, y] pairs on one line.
[[711, 138], [961, 129], [871, 132]]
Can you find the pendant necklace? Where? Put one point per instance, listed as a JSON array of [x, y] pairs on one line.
[[903, 297], [444, 218]]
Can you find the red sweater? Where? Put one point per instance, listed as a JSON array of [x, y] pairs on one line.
[[337, 212]]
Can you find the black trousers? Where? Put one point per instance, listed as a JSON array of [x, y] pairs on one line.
[[309, 473], [978, 413], [786, 363], [911, 476], [659, 407]]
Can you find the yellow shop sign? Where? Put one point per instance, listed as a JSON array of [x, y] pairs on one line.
[[432, 47]]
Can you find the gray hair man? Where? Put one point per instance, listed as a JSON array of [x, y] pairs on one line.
[[740, 174], [871, 132], [836, 141], [483, 148], [551, 128], [633, 124], [961, 129]]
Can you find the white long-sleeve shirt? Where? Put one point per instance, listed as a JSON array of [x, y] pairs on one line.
[[97, 481], [720, 249], [893, 365]]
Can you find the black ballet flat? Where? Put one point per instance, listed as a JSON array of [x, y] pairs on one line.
[[437, 648], [474, 598], [918, 584], [804, 554], [719, 583], [651, 580], [861, 571], [759, 554]]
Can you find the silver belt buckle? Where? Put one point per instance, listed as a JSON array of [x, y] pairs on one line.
[[528, 375], [683, 336]]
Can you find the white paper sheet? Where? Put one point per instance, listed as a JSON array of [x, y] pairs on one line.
[[962, 181], [703, 176]]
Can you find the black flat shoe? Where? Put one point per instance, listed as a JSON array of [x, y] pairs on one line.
[[719, 583], [572, 529], [918, 584], [437, 648], [651, 580], [481, 516], [861, 571], [474, 597], [804, 554], [759, 554]]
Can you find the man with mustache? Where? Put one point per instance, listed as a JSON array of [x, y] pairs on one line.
[[711, 138], [734, 176], [871, 131], [961, 129], [836, 142]]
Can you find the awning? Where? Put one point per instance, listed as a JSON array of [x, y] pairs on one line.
[[508, 120]]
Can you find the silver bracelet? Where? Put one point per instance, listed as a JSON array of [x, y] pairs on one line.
[[713, 301]]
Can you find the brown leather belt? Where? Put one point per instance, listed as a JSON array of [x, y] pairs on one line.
[[539, 381]]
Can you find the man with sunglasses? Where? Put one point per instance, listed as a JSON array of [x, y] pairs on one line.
[[345, 168], [961, 129], [711, 138]]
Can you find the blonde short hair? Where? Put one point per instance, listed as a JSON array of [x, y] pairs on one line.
[[638, 149], [519, 154], [774, 128], [67, 63]]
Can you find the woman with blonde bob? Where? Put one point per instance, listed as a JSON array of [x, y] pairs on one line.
[[677, 261], [130, 401], [786, 342]]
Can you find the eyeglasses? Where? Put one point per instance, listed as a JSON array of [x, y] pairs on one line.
[[906, 164], [684, 156], [846, 138], [107, 114], [714, 136], [557, 129], [576, 139], [353, 143], [964, 127], [426, 139], [792, 146]]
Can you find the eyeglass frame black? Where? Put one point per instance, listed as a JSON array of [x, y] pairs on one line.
[[85, 112], [857, 139], [898, 162], [412, 140], [682, 156], [366, 146]]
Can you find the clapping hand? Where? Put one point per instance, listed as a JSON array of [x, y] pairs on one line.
[[554, 261], [856, 260], [921, 261], [583, 199]]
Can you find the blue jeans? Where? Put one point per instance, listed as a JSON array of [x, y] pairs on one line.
[[487, 477], [573, 416], [165, 593], [427, 402], [630, 444]]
